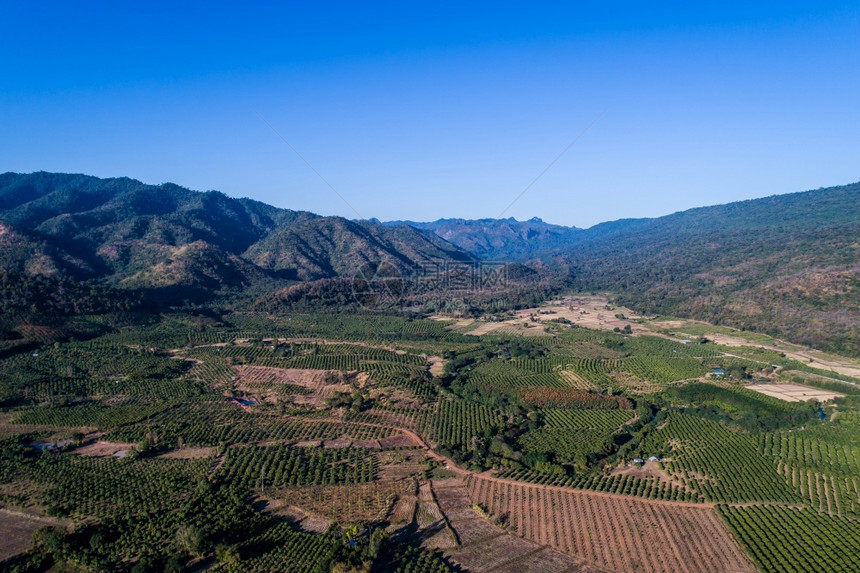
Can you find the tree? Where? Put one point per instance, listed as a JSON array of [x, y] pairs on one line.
[[189, 538], [49, 538], [173, 565], [227, 555], [352, 531], [377, 540], [96, 541]]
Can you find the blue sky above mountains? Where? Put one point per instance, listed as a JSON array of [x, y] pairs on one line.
[[440, 110]]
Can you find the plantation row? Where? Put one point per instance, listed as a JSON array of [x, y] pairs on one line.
[[409, 418], [366, 502], [720, 464], [544, 397], [278, 466], [606, 420], [825, 493], [282, 548], [75, 371], [807, 452], [363, 328], [170, 427], [663, 369], [419, 386], [842, 431], [567, 445], [614, 533], [50, 389], [599, 370], [649, 487], [500, 368], [256, 349], [214, 372], [514, 382], [781, 539], [456, 422], [82, 486], [90, 415], [662, 347], [106, 361]]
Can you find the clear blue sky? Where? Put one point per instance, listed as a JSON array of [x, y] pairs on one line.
[[423, 110]]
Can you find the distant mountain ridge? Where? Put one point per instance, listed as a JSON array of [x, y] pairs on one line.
[[156, 236], [499, 239], [787, 264]]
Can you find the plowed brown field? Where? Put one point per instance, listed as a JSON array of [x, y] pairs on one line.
[[614, 532]]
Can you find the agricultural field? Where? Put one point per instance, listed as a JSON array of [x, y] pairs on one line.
[[658, 536], [312, 442], [794, 392]]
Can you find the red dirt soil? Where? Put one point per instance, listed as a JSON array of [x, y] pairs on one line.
[[655, 536]]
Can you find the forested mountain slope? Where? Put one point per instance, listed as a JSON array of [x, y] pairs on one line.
[[157, 236], [500, 239], [788, 265]]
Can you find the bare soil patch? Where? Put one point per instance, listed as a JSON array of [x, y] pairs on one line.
[[266, 380], [295, 515], [649, 468], [367, 444], [101, 449], [574, 380], [189, 453], [487, 547], [398, 441], [16, 531], [437, 365], [486, 328], [815, 358], [397, 465], [794, 392], [614, 532], [342, 442], [587, 311], [359, 502]]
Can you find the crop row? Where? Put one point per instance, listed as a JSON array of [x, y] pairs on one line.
[[809, 452], [545, 397], [787, 539], [648, 487], [456, 422], [282, 548], [280, 465], [721, 464], [89, 415], [567, 445], [606, 420], [825, 493], [215, 423], [84, 486]]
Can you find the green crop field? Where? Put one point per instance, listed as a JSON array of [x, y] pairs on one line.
[[237, 436]]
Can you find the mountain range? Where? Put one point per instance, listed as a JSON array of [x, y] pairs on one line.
[[149, 236], [500, 239], [788, 264]]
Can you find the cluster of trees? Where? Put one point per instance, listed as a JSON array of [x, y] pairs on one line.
[[739, 407]]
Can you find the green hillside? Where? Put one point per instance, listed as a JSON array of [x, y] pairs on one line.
[[788, 265], [164, 236]]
